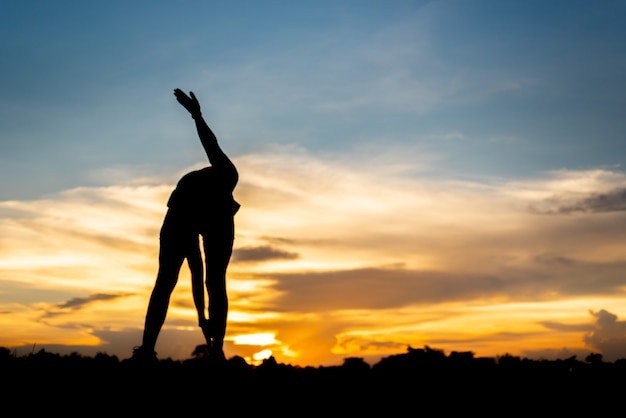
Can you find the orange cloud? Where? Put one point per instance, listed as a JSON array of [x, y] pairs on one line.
[[333, 257]]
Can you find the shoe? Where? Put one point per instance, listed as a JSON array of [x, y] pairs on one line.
[[217, 356], [142, 355]]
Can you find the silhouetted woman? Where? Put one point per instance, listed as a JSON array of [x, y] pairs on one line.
[[202, 204]]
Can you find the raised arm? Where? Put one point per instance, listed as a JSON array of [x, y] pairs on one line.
[[216, 156]]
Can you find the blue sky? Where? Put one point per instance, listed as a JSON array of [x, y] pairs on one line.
[[488, 88], [447, 173]]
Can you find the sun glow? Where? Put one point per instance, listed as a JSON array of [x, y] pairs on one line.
[[262, 355], [260, 339]]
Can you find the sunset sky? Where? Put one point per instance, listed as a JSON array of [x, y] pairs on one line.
[[446, 173]]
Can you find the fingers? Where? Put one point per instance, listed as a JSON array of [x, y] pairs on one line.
[[190, 103], [178, 93]]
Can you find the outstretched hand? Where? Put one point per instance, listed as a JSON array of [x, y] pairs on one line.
[[190, 103]]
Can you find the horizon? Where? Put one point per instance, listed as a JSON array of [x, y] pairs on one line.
[[425, 351], [412, 173]]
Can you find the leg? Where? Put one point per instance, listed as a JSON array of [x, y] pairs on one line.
[[218, 246], [170, 262], [194, 260]]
